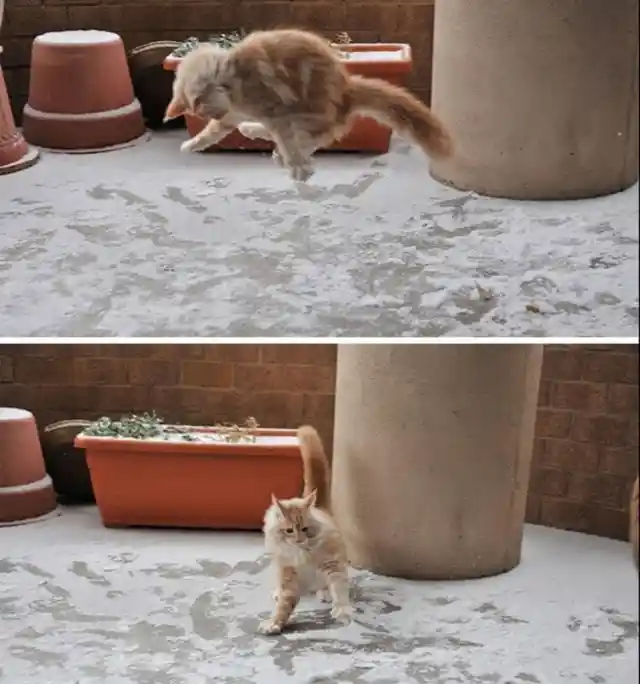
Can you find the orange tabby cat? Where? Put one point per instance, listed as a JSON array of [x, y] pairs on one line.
[[291, 86], [304, 542]]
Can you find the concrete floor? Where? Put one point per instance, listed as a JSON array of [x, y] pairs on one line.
[[83, 604], [150, 242]]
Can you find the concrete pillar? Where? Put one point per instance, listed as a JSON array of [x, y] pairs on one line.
[[431, 456], [541, 96]]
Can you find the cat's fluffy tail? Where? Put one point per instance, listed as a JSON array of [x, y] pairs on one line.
[[315, 465], [403, 112]]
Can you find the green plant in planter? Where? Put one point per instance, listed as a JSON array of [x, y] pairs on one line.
[[228, 40], [151, 426], [224, 40]]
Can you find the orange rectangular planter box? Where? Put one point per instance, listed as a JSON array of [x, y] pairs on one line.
[[366, 134], [158, 483]]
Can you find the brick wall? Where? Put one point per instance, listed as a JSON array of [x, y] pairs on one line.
[[140, 21], [587, 431], [280, 385], [586, 449]]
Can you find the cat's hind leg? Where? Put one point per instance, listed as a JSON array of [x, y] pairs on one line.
[[293, 156], [212, 133], [254, 130], [338, 583]]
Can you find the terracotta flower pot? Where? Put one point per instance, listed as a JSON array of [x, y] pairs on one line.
[[190, 484], [65, 463], [15, 154], [80, 93], [633, 522], [392, 62], [26, 491], [152, 83]]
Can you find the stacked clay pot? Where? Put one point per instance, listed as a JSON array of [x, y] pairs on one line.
[[26, 491], [15, 154], [81, 97]]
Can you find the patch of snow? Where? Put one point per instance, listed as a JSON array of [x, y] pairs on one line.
[[13, 414], [375, 56], [197, 437], [79, 37]]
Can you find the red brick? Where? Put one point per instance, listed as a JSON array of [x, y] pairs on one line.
[[544, 393], [89, 371], [318, 407], [42, 371], [68, 397], [553, 482], [6, 369], [29, 21], [266, 15], [534, 502], [16, 52], [171, 402], [553, 423], [619, 461], [178, 352], [103, 18], [243, 353], [153, 372], [379, 16], [20, 396], [225, 406], [321, 379], [255, 377], [562, 364], [602, 366], [207, 17], [568, 455], [207, 374], [567, 515], [274, 409], [303, 354], [605, 430], [418, 17], [622, 399], [117, 401], [579, 396], [316, 16], [611, 523]]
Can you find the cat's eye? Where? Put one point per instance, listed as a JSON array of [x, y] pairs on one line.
[[304, 529], [289, 530]]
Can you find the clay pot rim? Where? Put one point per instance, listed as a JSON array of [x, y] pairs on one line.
[[223, 448], [396, 66]]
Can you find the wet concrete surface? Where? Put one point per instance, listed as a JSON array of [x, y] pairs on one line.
[[79, 603], [147, 241]]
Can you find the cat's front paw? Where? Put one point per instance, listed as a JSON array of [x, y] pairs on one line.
[[277, 158], [194, 145], [323, 595], [302, 173], [343, 614], [270, 627], [253, 130]]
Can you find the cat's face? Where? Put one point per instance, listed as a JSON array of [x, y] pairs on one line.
[[200, 85], [296, 525]]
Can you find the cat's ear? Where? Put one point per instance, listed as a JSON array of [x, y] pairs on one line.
[[276, 502], [177, 107], [310, 499]]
